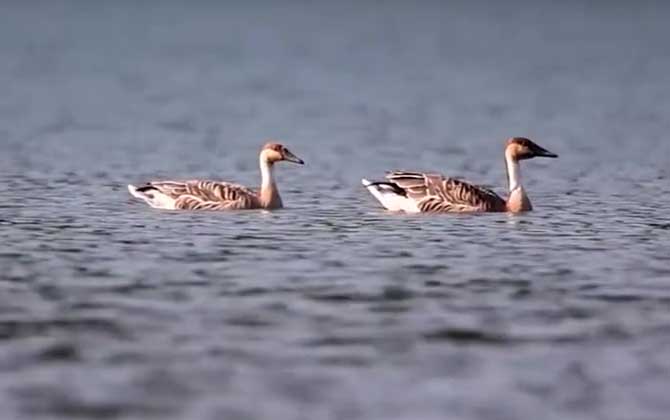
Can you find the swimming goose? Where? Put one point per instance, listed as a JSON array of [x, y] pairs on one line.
[[416, 192], [216, 195]]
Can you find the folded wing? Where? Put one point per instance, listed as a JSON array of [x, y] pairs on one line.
[[205, 195], [435, 193]]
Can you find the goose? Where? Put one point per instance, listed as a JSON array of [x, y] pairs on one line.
[[418, 192], [218, 195]]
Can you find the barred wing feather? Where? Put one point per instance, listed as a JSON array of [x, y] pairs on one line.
[[205, 195], [435, 193]]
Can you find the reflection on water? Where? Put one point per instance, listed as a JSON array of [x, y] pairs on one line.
[[332, 308]]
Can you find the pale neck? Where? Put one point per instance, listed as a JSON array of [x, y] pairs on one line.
[[269, 195], [267, 174], [513, 172]]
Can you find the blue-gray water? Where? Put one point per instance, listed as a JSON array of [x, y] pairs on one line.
[[332, 308]]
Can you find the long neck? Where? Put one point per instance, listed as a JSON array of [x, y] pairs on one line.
[[269, 195], [513, 172], [517, 201]]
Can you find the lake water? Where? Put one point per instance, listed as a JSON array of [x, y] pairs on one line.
[[332, 308]]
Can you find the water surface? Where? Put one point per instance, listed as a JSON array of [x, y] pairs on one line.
[[332, 308]]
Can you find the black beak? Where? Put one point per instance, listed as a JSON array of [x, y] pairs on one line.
[[541, 152], [290, 157]]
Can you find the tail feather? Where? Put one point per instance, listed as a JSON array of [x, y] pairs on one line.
[[144, 188], [152, 196], [391, 196], [133, 190]]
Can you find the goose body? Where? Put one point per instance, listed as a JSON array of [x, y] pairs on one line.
[[219, 195], [418, 192]]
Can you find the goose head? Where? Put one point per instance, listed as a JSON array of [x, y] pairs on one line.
[[275, 152], [521, 148]]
